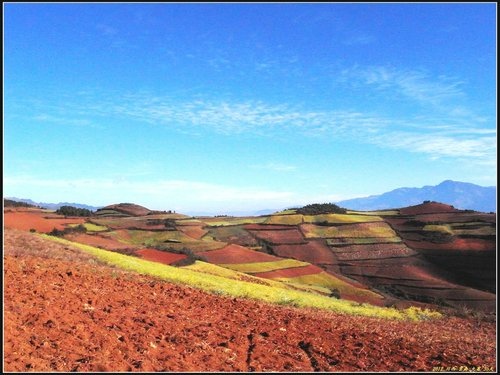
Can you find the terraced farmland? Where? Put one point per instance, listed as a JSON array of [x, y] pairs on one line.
[[340, 219], [236, 254], [259, 267], [315, 252], [293, 219], [361, 230], [279, 237], [429, 253]]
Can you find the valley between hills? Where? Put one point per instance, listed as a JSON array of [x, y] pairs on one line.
[[126, 288]]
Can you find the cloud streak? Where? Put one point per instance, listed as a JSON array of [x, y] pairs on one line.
[[414, 84], [458, 133]]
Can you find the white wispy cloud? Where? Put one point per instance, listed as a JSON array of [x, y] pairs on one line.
[[415, 84], [454, 134]]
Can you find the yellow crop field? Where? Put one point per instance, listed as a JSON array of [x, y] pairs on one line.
[[265, 266], [285, 219], [219, 222], [438, 228], [340, 218], [355, 230], [326, 280], [236, 288]]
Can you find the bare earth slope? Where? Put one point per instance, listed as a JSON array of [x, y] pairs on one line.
[[65, 312]]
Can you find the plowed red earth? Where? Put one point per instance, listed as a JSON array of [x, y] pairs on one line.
[[98, 241], [64, 312], [290, 236], [26, 220], [196, 232], [313, 252], [234, 254], [160, 256], [427, 208], [458, 244]]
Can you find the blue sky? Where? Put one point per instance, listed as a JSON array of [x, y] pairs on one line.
[[239, 107]]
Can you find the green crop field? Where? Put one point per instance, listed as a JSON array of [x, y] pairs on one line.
[[237, 288]]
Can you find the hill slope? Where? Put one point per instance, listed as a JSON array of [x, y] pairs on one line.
[[461, 195], [65, 312]]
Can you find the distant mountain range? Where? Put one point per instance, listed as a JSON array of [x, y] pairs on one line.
[[461, 195], [54, 206]]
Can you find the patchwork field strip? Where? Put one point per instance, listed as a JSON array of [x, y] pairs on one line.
[[278, 237], [293, 219], [313, 252], [310, 269], [376, 229], [346, 241], [457, 244], [369, 252], [194, 231], [265, 266], [40, 221], [98, 240], [160, 256], [232, 234], [235, 254], [340, 219]]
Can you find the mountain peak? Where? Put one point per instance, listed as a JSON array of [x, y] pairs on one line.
[[461, 195]]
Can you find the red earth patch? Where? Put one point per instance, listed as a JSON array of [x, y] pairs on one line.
[[234, 254], [313, 252], [160, 256], [38, 220]]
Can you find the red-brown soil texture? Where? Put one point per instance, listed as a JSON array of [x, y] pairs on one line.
[[235, 254], [427, 208], [99, 241], [313, 252], [289, 236], [64, 312], [40, 221], [160, 256]]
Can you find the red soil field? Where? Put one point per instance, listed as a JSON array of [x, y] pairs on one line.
[[98, 241], [290, 236], [63, 316], [290, 272], [375, 251], [26, 220], [313, 252], [234, 254], [196, 232], [458, 244], [160, 256], [457, 218], [427, 208]]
